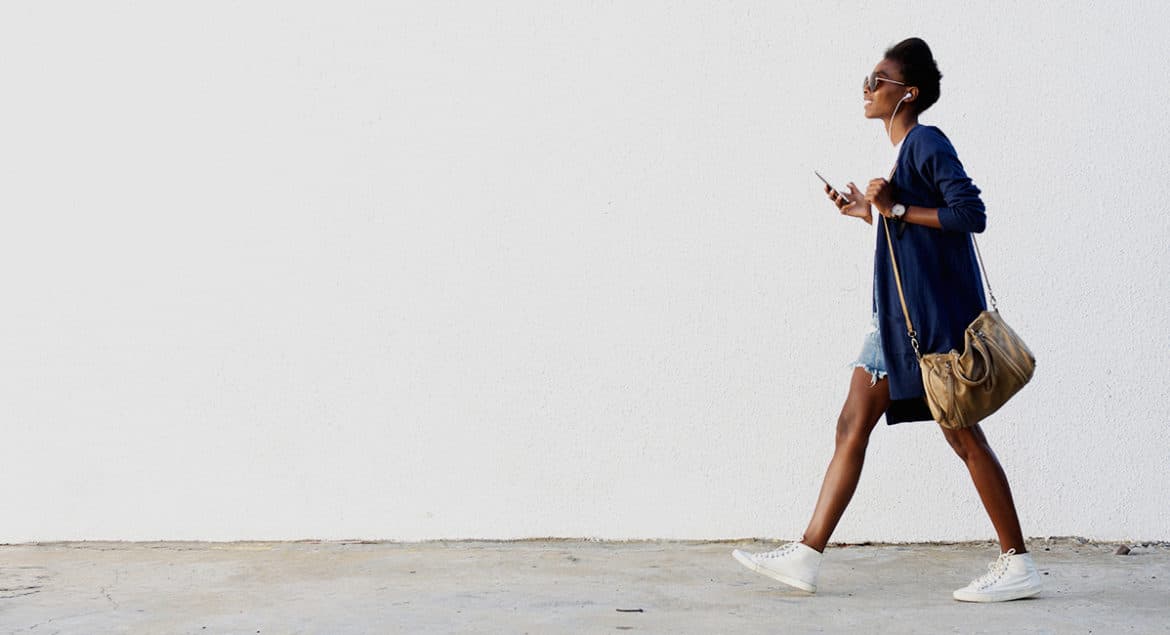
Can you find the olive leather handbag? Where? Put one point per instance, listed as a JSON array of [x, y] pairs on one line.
[[964, 388]]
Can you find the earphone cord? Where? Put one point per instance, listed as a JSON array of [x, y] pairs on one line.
[[890, 124]]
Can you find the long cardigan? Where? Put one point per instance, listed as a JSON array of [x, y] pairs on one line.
[[940, 275]]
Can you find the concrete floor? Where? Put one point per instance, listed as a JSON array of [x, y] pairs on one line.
[[557, 586]]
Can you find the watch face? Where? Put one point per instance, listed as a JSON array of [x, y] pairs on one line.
[[899, 210]]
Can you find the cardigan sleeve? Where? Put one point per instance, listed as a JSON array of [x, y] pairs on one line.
[[964, 210]]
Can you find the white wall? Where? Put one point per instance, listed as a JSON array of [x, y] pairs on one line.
[[524, 269]]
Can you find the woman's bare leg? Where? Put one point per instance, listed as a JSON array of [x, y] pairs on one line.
[[991, 483], [863, 408]]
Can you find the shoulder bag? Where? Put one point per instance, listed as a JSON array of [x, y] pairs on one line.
[[964, 388]]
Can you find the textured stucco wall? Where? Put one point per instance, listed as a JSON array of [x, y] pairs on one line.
[[471, 270]]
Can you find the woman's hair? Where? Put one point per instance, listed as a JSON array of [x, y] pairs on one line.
[[918, 69]]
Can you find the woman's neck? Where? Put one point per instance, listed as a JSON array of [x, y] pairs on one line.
[[901, 127]]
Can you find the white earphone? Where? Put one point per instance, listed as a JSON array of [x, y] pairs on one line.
[[890, 123]]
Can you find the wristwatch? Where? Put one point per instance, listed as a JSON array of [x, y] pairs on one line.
[[898, 211]]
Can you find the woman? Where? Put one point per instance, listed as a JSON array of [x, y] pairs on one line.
[[930, 207]]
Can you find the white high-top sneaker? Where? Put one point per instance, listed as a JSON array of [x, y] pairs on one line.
[[1011, 577], [795, 564]]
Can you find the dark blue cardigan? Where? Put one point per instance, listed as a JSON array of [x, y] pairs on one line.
[[940, 275]]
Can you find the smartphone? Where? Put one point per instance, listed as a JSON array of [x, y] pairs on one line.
[[835, 191]]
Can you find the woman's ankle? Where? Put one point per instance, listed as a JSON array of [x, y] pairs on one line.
[[814, 547]]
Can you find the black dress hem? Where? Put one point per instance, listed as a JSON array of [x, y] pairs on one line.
[[913, 409]]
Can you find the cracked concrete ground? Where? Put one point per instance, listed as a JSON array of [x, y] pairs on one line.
[[560, 586]]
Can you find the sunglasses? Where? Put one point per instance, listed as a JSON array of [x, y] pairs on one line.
[[871, 82]]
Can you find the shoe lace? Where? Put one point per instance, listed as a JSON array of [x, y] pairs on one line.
[[777, 553], [995, 571]]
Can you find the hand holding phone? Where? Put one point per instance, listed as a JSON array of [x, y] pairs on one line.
[[831, 188], [853, 205]]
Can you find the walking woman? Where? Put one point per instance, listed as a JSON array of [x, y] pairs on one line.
[[930, 207]]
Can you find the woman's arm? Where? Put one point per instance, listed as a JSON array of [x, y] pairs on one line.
[[881, 194], [964, 210], [919, 216]]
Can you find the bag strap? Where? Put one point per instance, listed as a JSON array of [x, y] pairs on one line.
[[898, 279], [901, 296], [979, 257]]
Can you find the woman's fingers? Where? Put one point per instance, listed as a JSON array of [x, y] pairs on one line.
[[837, 200], [857, 194]]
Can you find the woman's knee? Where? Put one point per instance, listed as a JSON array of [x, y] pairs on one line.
[[862, 410], [966, 441], [853, 429]]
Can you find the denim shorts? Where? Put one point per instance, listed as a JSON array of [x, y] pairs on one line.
[[871, 358]]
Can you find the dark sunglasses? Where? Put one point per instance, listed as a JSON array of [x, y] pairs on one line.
[[871, 81]]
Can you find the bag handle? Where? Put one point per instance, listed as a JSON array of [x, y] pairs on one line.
[[988, 378], [898, 278]]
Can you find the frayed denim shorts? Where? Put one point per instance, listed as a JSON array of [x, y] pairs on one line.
[[871, 358]]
